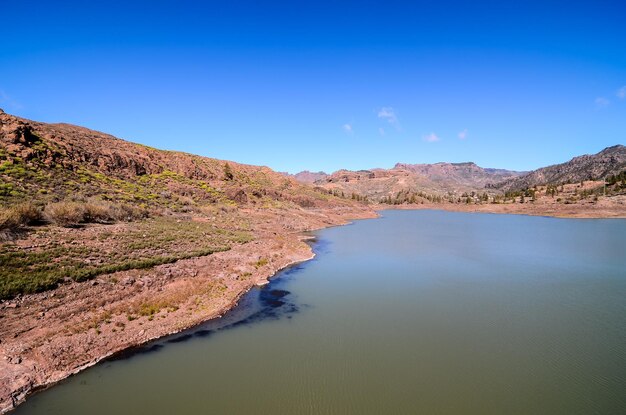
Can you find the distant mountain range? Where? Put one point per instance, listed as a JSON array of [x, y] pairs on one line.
[[458, 178], [49, 162]]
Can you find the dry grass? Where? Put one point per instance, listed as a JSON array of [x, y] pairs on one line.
[[69, 214], [15, 217], [65, 213]]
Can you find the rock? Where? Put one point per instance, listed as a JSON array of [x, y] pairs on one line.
[[128, 281]]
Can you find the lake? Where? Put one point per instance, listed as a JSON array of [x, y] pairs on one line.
[[416, 312]]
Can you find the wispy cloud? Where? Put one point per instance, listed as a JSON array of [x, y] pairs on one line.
[[602, 102], [381, 131], [621, 93], [431, 138], [5, 99], [348, 128], [463, 134], [388, 114]]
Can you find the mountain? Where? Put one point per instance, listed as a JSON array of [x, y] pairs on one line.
[[439, 179], [50, 162], [310, 177], [610, 161]]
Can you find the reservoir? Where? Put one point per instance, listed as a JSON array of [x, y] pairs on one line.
[[418, 312]]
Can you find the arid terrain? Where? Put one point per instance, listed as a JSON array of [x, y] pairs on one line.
[[106, 244], [451, 183]]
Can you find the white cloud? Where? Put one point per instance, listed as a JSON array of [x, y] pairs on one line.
[[621, 93], [602, 102], [463, 134], [348, 129], [381, 131], [388, 114], [431, 138]]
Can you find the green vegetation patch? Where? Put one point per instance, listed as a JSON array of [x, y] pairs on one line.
[[52, 255]]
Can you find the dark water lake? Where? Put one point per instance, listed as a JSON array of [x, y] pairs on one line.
[[419, 312]]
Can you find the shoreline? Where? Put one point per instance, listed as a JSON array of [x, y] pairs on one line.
[[36, 358], [39, 362], [574, 211]]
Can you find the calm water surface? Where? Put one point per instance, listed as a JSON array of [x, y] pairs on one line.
[[420, 312]]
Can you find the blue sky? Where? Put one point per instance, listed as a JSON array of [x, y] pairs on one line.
[[327, 85]]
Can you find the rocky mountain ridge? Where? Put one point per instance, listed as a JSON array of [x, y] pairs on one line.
[[432, 179], [452, 179], [610, 161]]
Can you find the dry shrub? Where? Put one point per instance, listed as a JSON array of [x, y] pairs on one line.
[[65, 213], [27, 213], [74, 213], [7, 220], [128, 213], [20, 215], [99, 212]]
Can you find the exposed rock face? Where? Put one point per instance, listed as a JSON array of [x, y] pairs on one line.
[[611, 160]]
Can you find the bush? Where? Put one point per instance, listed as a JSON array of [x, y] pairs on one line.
[[65, 213], [128, 213], [27, 214], [17, 216], [74, 213], [7, 220], [99, 213]]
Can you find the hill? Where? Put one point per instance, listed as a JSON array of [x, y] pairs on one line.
[[609, 162], [50, 162], [418, 181], [70, 176]]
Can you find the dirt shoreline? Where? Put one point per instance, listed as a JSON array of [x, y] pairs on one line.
[[615, 207], [49, 336], [46, 337]]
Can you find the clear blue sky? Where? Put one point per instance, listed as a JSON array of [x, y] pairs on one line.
[[324, 85]]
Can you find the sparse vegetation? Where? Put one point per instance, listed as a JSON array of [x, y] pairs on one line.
[[137, 245]]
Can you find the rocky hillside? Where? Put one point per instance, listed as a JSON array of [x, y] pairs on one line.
[[52, 162], [310, 177], [610, 161], [432, 180]]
